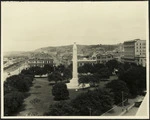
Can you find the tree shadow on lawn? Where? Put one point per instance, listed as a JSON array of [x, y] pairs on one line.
[[27, 94], [73, 94], [20, 109], [38, 86], [35, 92]]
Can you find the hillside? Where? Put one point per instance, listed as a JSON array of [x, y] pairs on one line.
[[82, 49], [65, 51]]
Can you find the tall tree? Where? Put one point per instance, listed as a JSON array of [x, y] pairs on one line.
[[83, 80], [112, 64], [55, 76], [98, 101], [119, 89], [135, 78], [60, 91], [47, 69], [61, 108], [20, 82], [12, 101], [67, 73]]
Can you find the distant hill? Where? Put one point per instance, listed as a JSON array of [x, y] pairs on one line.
[[82, 49], [16, 53]]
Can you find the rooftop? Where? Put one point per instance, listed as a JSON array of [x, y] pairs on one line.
[[132, 40]]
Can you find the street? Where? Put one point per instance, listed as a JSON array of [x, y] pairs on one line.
[[117, 110], [15, 72]]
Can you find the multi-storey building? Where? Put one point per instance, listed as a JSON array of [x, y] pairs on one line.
[[103, 58], [39, 62], [84, 61], [96, 58], [135, 52]]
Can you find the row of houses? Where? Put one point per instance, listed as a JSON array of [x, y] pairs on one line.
[[100, 58], [39, 62], [133, 51]]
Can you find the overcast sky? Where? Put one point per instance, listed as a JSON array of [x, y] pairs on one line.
[[30, 25]]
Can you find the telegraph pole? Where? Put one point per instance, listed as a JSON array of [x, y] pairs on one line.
[[90, 111], [122, 101]]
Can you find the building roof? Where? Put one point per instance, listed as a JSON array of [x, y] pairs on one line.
[[135, 40], [106, 54], [40, 59], [86, 60]]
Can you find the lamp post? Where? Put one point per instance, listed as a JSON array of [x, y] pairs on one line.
[[122, 100], [90, 111]]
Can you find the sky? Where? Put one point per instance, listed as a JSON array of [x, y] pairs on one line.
[[28, 26]]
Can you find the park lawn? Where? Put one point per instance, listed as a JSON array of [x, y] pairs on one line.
[[102, 84], [41, 97], [73, 93]]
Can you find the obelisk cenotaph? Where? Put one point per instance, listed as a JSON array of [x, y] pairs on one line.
[[74, 81]]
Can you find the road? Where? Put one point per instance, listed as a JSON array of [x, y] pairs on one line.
[[15, 72], [117, 110]]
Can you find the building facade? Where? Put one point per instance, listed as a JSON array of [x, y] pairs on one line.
[[96, 58], [135, 52], [39, 62], [84, 61], [103, 58]]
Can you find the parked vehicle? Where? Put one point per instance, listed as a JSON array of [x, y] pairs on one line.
[[138, 103]]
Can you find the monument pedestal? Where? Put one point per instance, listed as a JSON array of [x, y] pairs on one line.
[[73, 84], [85, 86]]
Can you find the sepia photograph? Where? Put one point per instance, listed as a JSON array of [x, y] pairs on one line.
[[75, 60]]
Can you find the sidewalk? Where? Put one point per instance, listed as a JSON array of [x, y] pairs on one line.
[[131, 112], [118, 110]]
